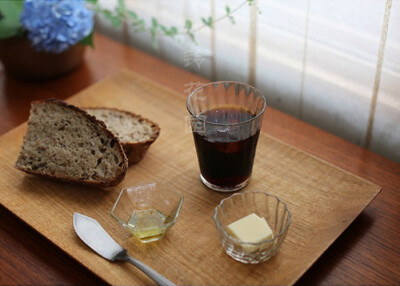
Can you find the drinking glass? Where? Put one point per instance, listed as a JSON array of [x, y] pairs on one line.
[[226, 119]]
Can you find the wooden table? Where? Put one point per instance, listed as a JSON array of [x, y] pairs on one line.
[[368, 252]]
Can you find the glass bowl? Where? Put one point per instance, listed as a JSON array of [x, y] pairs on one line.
[[262, 204], [147, 211]]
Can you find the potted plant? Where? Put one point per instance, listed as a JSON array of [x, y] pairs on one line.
[[41, 39]]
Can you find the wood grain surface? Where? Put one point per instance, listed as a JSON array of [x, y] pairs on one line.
[[323, 199], [366, 253]]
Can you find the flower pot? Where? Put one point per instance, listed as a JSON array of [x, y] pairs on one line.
[[21, 60]]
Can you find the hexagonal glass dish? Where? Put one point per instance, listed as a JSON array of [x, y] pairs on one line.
[[243, 204], [147, 211]]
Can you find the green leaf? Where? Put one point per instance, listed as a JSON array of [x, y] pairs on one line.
[[208, 22], [10, 24], [120, 8], [121, 4], [154, 42], [139, 24], [88, 40], [94, 6], [228, 13], [188, 25], [107, 14], [173, 31], [153, 32], [154, 23], [169, 32], [116, 21], [164, 29], [192, 37], [132, 15]]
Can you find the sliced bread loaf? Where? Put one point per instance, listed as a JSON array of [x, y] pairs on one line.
[[135, 133], [66, 143]]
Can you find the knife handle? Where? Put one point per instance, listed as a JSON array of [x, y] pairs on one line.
[[154, 275]]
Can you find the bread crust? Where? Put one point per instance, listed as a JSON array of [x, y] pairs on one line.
[[105, 183], [135, 151]]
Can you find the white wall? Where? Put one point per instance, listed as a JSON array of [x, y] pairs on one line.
[[314, 59]]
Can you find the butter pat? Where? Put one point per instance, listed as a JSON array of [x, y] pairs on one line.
[[251, 229]]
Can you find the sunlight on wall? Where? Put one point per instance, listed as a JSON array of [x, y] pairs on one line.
[[314, 59]]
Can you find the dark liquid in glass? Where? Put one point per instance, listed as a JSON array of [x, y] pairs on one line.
[[226, 158]]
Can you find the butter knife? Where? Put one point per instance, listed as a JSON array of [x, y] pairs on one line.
[[94, 236]]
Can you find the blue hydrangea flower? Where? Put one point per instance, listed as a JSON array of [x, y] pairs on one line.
[[55, 25]]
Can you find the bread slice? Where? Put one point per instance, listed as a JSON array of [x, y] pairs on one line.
[[135, 133], [66, 143]]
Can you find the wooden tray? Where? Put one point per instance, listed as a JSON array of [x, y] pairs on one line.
[[323, 199]]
